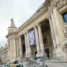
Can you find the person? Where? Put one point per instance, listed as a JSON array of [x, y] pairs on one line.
[[46, 66]]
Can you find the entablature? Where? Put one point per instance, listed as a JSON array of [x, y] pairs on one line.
[[57, 3]]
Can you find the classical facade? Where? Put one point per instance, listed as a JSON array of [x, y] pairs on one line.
[[43, 35]]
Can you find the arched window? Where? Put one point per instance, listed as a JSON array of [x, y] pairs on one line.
[[65, 17]]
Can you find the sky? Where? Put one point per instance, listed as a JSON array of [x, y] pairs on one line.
[[19, 10]]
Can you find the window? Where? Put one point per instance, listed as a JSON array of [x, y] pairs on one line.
[[65, 17]]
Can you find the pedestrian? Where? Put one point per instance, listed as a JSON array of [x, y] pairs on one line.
[[46, 66]]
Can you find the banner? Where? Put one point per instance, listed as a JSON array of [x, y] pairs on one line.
[[32, 39]]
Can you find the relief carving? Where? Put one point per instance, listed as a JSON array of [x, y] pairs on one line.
[[57, 3], [64, 47]]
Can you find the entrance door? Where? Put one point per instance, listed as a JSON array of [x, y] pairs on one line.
[[47, 52], [35, 53], [23, 48]]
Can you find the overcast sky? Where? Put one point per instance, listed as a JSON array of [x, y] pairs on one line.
[[20, 10]]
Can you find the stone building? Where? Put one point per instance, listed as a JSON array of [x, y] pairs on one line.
[[4, 55], [43, 35]]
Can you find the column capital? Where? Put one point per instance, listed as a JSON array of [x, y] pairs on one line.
[[39, 24], [35, 27], [25, 33], [19, 36]]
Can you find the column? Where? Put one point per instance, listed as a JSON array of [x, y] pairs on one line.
[[29, 49], [53, 29], [52, 34], [37, 41], [26, 45], [55, 35], [58, 21], [56, 25], [15, 48], [41, 40], [20, 47], [60, 52], [9, 49]]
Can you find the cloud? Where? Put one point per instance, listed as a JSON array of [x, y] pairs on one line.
[[20, 10]]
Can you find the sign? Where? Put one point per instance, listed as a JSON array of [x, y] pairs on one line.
[[32, 39]]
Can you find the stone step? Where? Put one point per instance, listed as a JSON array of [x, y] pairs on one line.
[[56, 63], [42, 63]]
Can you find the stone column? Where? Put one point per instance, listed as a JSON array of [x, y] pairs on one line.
[[8, 49], [56, 32], [37, 41], [15, 48], [55, 36], [29, 49], [20, 47], [56, 26], [41, 40], [51, 20], [26, 44]]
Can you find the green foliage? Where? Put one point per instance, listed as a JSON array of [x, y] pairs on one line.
[[1, 48], [39, 8]]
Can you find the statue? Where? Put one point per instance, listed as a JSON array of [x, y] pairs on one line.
[[12, 23]]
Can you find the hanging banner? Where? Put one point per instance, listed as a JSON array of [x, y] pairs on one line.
[[32, 39]]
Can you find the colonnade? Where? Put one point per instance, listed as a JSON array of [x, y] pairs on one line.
[[53, 21], [39, 42]]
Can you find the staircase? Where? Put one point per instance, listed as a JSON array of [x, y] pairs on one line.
[[56, 63], [30, 62]]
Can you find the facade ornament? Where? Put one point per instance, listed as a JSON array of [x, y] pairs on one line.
[[65, 30], [64, 47], [12, 23], [56, 3], [12, 27]]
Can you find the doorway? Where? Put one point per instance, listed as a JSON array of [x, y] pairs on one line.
[[47, 39]]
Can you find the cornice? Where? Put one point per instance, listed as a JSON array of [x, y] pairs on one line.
[[57, 3], [34, 17], [48, 5]]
